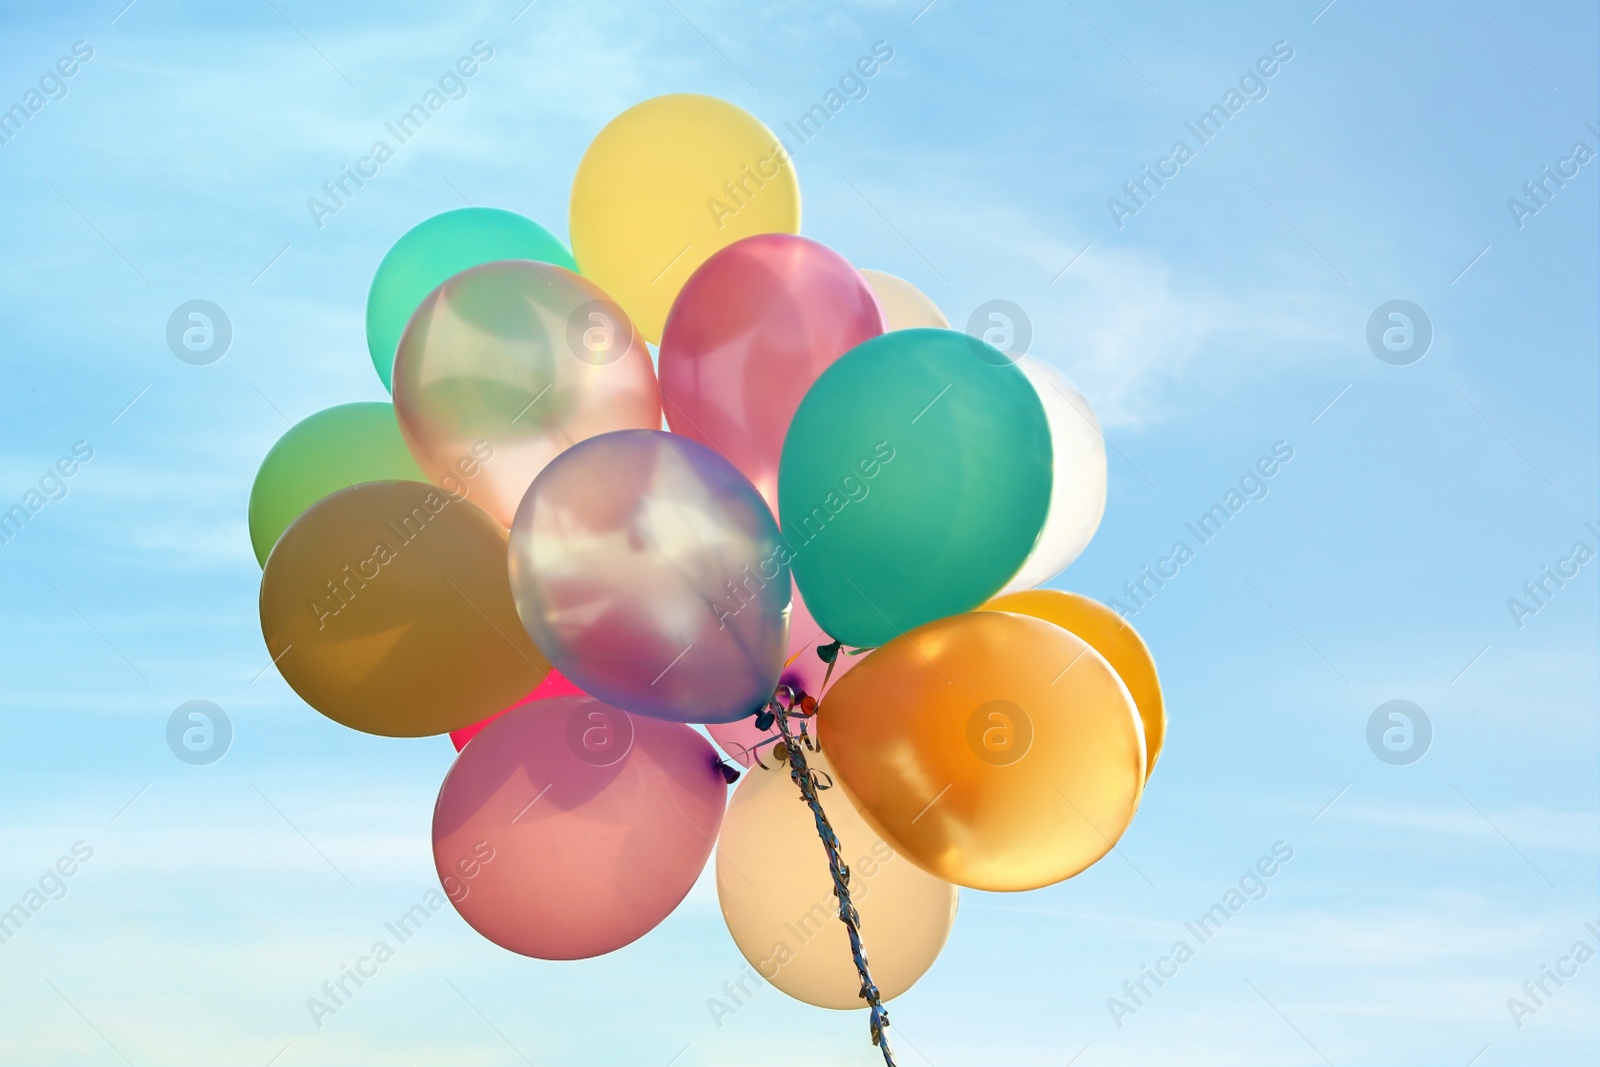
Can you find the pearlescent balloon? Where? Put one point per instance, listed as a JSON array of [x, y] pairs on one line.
[[995, 750], [749, 333], [777, 895], [905, 307], [434, 249], [652, 574], [510, 364], [569, 828], [1078, 488]]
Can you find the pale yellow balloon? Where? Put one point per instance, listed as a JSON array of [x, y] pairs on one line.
[[777, 895], [905, 307], [667, 183]]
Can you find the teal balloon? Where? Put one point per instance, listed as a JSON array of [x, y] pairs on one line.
[[434, 250], [915, 479]]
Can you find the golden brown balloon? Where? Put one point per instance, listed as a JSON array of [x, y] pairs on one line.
[[1111, 636], [387, 607], [997, 751], [777, 896]]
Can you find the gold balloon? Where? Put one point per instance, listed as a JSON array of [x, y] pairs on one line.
[[387, 607], [667, 183], [1110, 635], [995, 750], [905, 307], [777, 895]]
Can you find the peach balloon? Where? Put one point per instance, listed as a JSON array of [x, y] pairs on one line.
[[777, 895]]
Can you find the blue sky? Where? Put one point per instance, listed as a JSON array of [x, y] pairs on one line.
[[1228, 314]]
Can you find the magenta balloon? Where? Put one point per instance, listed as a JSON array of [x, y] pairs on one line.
[[569, 828], [750, 331], [802, 670], [649, 572]]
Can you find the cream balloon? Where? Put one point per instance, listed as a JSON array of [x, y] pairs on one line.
[[905, 307], [777, 895], [1078, 489]]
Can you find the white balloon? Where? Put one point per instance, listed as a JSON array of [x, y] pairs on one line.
[[1078, 491]]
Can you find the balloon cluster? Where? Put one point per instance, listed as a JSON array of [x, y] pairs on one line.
[[841, 528]]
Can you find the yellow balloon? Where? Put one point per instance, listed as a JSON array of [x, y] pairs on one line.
[[777, 894], [1111, 636], [995, 750], [667, 183], [387, 607], [905, 307]]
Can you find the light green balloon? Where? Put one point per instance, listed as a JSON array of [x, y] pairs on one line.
[[433, 250], [320, 455], [915, 478]]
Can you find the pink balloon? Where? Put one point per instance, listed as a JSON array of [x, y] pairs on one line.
[[555, 684], [572, 828], [803, 670], [750, 331]]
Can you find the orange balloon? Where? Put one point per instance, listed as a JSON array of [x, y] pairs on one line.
[[387, 607], [994, 750], [1111, 636]]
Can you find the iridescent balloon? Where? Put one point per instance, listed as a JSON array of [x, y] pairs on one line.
[[652, 574], [506, 365]]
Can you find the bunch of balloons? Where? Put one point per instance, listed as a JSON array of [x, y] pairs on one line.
[[850, 504]]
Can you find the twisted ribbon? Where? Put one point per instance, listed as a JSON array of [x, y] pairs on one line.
[[785, 701]]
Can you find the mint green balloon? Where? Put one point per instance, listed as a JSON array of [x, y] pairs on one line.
[[915, 478], [329, 451], [433, 250]]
